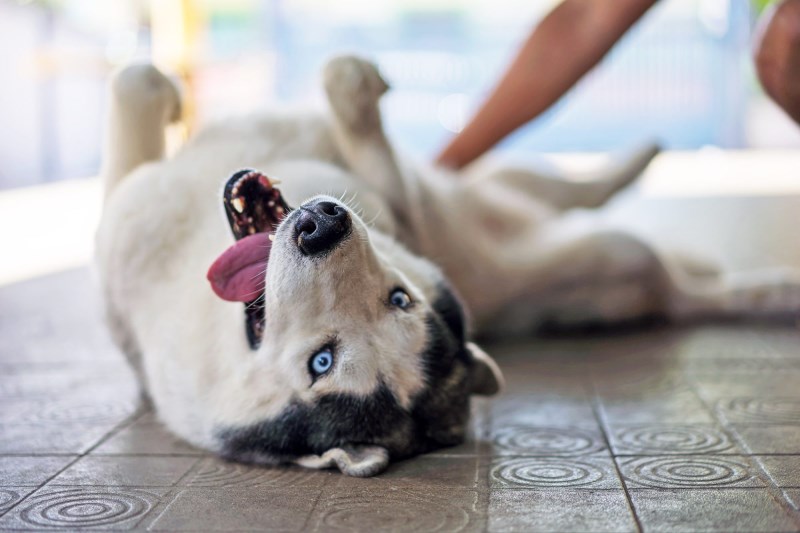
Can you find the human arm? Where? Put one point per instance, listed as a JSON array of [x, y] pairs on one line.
[[567, 43], [777, 55]]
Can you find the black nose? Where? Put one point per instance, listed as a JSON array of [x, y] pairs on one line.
[[320, 227]]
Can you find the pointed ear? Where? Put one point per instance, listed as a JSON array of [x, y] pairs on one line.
[[356, 460], [485, 377]]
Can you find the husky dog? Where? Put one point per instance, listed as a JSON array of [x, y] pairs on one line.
[[324, 323]]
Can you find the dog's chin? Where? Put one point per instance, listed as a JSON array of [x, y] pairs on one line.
[[357, 434]]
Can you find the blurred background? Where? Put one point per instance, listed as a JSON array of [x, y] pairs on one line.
[[683, 75]]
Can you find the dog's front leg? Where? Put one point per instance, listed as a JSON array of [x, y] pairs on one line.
[[354, 87]]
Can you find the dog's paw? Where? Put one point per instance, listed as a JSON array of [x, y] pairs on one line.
[[354, 86], [144, 87]]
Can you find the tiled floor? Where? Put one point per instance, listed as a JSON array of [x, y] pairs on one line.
[[660, 430]]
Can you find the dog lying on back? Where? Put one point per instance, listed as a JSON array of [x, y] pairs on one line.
[[320, 320]]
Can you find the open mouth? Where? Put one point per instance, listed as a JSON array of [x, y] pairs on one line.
[[253, 206]]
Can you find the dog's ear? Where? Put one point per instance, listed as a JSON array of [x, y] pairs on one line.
[[353, 460], [485, 377]]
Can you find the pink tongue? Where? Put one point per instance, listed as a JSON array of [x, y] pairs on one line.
[[238, 274]]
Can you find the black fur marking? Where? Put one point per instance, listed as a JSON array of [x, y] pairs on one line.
[[332, 421], [438, 415], [450, 309]]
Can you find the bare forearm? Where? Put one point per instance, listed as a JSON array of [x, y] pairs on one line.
[[568, 42], [778, 55]]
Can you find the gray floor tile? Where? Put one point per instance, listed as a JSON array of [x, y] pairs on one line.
[[721, 342], [126, 471], [544, 473], [724, 510], [34, 471], [764, 439], [146, 436], [237, 509], [397, 509], [211, 472], [72, 509], [51, 384], [436, 472], [670, 439], [682, 407], [547, 441], [536, 459], [778, 383], [784, 470], [560, 510], [793, 498], [67, 409], [543, 410], [10, 496], [642, 382], [689, 472], [760, 410], [50, 438], [713, 368]]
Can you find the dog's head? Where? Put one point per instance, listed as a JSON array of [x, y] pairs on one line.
[[360, 350]]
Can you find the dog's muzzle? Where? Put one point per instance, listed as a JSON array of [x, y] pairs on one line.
[[320, 227]]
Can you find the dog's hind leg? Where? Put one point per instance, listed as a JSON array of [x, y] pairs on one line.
[[767, 294], [592, 190], [609, 277], [143, 102]]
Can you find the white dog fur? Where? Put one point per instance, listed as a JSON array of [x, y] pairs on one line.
[[520, 249]]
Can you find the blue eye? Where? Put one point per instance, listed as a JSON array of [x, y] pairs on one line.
[[400, 298], [320, 362]]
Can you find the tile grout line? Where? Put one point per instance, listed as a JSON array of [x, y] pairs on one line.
[[314, 507], [602, 425], [775, 491], [482, 459], [119, 427], [170, 494]]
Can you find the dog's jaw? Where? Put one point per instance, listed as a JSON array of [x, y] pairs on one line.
[[253, 205]]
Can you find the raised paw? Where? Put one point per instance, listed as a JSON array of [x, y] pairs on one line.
[[144, 88], [354, 87]]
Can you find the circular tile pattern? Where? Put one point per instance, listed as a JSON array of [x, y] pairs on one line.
[[673, 439], [763, 409], [547, 441], [546, 473], [7, 497], [83, 508], [215, 473], [683, 472], [363, 513], [218, 474]]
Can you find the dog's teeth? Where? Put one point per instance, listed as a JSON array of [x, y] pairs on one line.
[[238, 204], [271, 236], [251, 230], [279, 210], [249, 220], [275, 181], [271, 203]]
